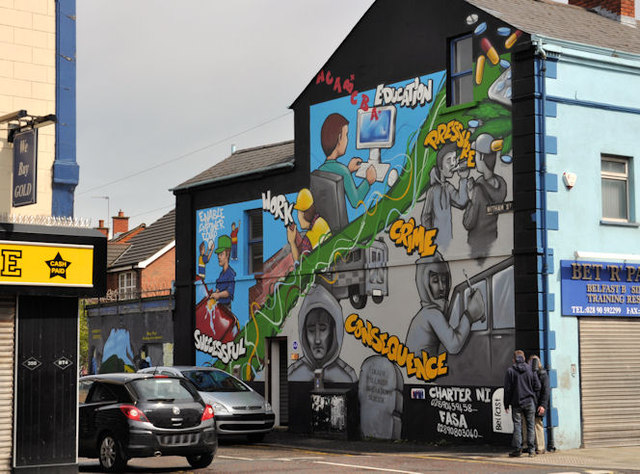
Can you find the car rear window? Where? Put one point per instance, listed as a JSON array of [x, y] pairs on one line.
[[161, 388], [215, 381]]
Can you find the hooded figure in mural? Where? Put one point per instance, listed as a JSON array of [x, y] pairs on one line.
[[442, 194], [321, 331], [487, 189], [430, 327]]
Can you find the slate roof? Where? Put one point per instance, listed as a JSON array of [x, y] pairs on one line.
[[152, 239], [564, 22], [244, 161], [114, 250], [124, 237]]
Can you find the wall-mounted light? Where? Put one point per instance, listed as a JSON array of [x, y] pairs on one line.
[[569, 179]]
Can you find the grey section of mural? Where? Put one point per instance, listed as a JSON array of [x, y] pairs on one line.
[[321, 331], [380, 395]]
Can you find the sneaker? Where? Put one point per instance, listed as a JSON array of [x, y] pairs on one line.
[[515, 454], [540, 452], [531, 454]]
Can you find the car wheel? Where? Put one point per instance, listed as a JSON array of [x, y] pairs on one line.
[[357, 301], [110, 454], [198, 461], [255, 437]]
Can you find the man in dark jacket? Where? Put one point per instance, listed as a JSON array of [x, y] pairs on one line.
[[520, 388], [542, 402]]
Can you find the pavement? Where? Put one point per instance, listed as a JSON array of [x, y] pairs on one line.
[[625, 458]]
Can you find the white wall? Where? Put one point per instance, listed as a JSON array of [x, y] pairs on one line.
[[27, 81]]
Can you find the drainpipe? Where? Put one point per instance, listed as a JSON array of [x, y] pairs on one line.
[[541, 82]]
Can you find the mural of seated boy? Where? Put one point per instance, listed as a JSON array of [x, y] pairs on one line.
[[317, 229]]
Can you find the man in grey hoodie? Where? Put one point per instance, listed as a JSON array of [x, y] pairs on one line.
[[521, 385], [442, 194], [321, 329], [430, 327]]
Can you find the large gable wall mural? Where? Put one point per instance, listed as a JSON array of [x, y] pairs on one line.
[[392, 270]]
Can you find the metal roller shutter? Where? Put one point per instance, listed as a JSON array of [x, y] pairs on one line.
[[610, 381], [7, 330]]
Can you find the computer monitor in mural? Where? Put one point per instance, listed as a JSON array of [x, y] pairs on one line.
[[376, 130]]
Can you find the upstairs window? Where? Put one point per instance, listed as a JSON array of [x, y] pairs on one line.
[[127, 285], [460, 70], [255, 241], [615, 188]]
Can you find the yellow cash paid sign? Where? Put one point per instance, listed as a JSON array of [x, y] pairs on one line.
[[44, 270]]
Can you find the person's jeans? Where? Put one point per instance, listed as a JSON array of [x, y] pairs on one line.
[[528, 411]]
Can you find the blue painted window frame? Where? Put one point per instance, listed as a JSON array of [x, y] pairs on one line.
[[254, 241], [454, 76]]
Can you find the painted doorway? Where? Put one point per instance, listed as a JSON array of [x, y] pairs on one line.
[[277, 389]]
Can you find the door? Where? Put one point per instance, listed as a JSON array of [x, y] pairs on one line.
[[277, 389], [46, 380]]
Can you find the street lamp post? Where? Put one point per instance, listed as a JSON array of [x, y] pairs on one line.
[[108, 212]]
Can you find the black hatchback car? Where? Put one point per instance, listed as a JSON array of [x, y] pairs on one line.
[[124, 416]]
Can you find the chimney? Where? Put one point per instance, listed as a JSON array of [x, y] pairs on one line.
[[102, 228], [120, 223], [623, 11]]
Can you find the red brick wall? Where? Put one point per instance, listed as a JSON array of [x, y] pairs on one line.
[[120, 223], [160, 274], [112, 281], [619, 7]]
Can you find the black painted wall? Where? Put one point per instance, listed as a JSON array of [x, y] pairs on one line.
[[393, 41]]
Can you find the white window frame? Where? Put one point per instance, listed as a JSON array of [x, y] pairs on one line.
[[127, 285], [609, 175]]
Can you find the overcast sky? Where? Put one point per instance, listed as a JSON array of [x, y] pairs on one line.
[[165, 87]]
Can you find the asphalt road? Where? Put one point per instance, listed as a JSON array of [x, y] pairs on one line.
[[248, 458]]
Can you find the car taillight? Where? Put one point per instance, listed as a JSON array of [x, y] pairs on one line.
[[133, 413], [208, 413]]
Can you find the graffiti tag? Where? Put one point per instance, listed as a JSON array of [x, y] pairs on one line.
[[347, 85], [410, 95], [278, 207], [428, 368], [452, 132], [411, 237], [224, 351]]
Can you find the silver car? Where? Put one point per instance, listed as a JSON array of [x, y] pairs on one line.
[[239, 410]]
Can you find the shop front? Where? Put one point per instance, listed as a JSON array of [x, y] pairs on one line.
[[605, 296], [43, 272]]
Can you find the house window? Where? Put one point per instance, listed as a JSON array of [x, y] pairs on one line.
[[460, 70], [255, 241], [615, 188], [127, 285]]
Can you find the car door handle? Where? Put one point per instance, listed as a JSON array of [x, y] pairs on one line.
[[497, 336]]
